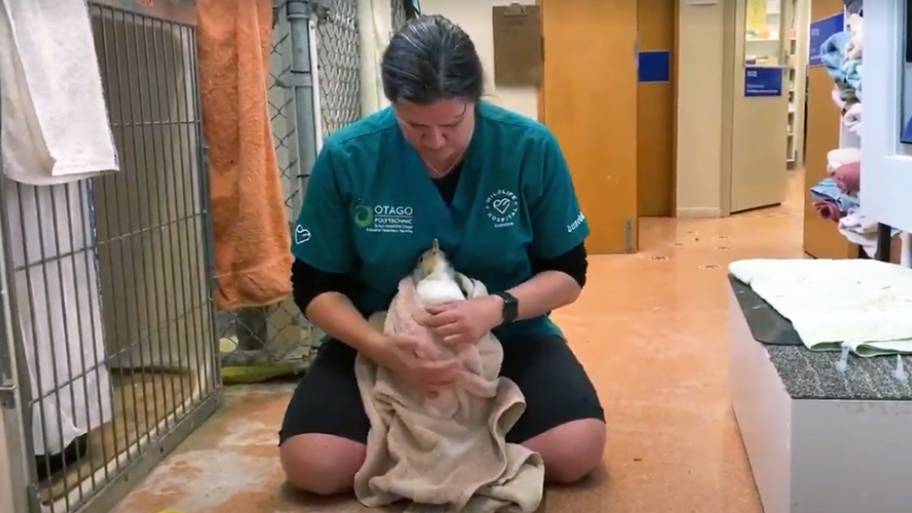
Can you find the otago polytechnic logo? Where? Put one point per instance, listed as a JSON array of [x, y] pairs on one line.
[[502, 207], [364, 216], [384, 218]]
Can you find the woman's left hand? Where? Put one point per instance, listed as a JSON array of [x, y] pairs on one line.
[[463, 323]]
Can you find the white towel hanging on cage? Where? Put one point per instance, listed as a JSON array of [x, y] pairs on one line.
[[55, 121], [57, 295]]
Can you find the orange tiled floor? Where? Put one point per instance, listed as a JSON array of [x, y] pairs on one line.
[[651, 330]]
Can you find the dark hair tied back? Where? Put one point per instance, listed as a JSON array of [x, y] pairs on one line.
[[431, 59]]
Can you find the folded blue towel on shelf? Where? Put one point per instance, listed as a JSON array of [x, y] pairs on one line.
[[852, 73], [845, 72], [827, 189], [833, 51]]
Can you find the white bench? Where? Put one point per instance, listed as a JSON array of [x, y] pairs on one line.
[[819, 440]]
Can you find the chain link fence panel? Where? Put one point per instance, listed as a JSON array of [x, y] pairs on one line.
[[339, 65]]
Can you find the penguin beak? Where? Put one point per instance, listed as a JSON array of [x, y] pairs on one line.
[[436, 246]]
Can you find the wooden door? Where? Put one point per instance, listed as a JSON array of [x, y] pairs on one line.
[[656, 108], [821, 236], [589, 101]]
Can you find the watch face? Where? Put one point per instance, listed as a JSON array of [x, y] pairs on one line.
[[510, 309]]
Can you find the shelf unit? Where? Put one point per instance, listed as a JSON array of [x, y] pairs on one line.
[[762, 42], [792, 79], [797, 22], [825, 132]]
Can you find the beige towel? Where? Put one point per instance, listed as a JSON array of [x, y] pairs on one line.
[[252, 236], [447, 453]]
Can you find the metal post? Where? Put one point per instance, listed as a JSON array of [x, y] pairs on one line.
[[13, 398], [299, 14], [883, 242], [14, 444], [905, 258], [13, 490]]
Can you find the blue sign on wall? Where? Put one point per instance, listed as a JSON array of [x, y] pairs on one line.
[[762, 81], [821, 30], [654, 66]]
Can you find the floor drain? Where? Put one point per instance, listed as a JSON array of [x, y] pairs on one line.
[[709, 267], [659, 258], [723, 248]]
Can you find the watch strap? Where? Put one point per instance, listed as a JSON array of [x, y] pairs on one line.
[[510, 306]]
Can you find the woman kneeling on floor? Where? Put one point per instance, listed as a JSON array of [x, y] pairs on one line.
[[493, 187]]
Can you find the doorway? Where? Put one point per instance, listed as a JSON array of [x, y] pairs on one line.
[[656, 94], [759, 105]]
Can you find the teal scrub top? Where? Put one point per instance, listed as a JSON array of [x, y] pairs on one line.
[[371, 208]]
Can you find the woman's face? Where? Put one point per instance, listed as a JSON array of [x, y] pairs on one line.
[[438, 131]]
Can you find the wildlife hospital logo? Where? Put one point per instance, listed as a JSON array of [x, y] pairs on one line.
[[384, 218], [502, 207]]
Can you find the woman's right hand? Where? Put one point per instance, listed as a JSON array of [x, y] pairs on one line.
[[397, 354]]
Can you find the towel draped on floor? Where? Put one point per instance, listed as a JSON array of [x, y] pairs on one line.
[[448, 452]]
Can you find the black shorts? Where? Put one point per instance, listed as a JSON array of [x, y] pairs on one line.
[[556, 388]]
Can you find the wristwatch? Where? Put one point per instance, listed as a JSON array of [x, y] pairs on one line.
[[510, 306]]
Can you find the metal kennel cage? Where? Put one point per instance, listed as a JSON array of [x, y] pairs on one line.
[[108, 356], [111, 351]]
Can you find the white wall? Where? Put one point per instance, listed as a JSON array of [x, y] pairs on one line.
[[701, 40], [474, 16]]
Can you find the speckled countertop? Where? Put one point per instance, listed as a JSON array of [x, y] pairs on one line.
[[813, 375]]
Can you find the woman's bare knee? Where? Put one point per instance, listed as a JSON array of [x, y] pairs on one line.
[[570, 451], [321, 464]]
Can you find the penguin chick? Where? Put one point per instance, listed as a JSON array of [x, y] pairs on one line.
[[435, 279]]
